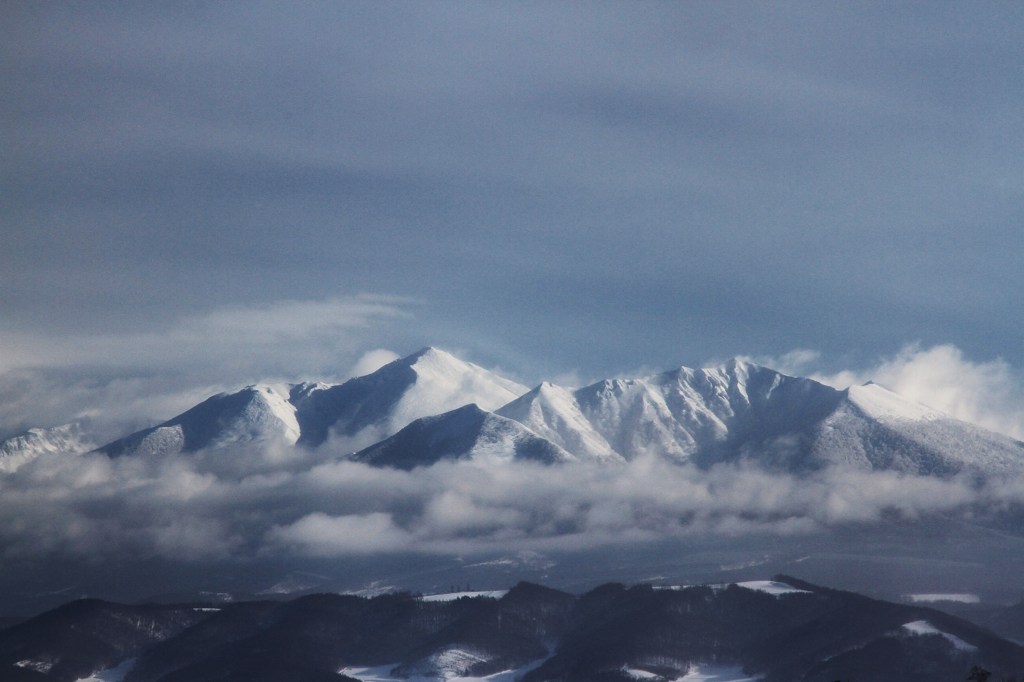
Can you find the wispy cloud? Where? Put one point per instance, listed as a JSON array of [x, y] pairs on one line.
[[989, 393], [49, 379]]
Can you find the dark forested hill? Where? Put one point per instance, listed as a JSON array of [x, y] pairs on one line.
[[779, 631]]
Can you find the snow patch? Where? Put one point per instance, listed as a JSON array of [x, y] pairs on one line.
[[771, 587], [923, 627], [383, 673], [959, 597], [716, 673], [38, 666], [276, 400], [452, 596], [523, 559]]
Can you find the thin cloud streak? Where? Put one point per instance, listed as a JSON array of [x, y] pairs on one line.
[[121, 380]]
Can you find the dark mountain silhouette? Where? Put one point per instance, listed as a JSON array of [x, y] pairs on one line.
[[785, 630]]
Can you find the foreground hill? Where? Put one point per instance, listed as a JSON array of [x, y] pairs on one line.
[[771, 630]]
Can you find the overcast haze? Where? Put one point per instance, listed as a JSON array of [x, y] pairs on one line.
[[197, 194]]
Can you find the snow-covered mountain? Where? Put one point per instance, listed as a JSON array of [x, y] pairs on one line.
[[432, 405], [702, 415], [70, 438], [362, 410], [258, 413], [464, 433], [370, 408], [874, 428], [741, 411]]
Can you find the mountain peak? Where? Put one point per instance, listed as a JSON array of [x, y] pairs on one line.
[[429, 354], [880, 403], [741, 365], [736, 362], [66, 439], [368, 408]]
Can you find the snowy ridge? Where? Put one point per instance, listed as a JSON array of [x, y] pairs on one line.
[[465, 433], [452, 596], [552, 412], [874, 428], [69, 439], [443, 382], [923, 627], [703, 415], [885, 406], [363, 410], [257, 413], [741, 411], [367, 409], [416, 411], [772, 587]]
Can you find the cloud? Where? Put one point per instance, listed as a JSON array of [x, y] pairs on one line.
[[251, 504], [318, 534], [990, 393], [261, 502], [372, 360], [269, 337], [132, 378], [987, 393]]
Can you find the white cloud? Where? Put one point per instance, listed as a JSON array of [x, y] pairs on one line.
[[133, 378], [372, 360], [265, 338], [318, 534], [200, 508], [266, 501], [988, 393]]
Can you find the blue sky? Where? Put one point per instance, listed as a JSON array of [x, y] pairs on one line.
[[555, 189]]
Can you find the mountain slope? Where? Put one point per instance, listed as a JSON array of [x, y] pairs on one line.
[[369, 408], [782, 630], [874, 428], [741, 411], [255, 414], [465, 433], [703, 416], [736, 412], [85, 636], [362, 410], [69, 439]]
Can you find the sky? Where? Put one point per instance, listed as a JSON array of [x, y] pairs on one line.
[[198, 195]]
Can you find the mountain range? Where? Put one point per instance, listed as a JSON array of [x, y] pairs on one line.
[[432, 406], [779, 630]]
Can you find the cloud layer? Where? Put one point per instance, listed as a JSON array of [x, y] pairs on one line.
[[269, 502]]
